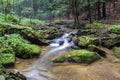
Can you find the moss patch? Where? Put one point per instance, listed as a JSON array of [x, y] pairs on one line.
[[84, 41], [97, 49], [7, 59], [79, 56], [117, 52], [20, 47], [112, 42], [26, 32]]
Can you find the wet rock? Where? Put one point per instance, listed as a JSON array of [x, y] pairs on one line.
[[116, 51], [78, 56], [71, 36], [84, 41], [7, 75], [112, 42], [27, 32], [97, 49]]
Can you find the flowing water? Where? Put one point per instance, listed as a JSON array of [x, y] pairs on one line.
[[40, 69], [104, 69]]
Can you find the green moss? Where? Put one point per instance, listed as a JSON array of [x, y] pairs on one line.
[[35, 49], [116, 51], [26, 32], [114, 28], [112, 42], [7, 59], [60, 59], [14, 43], [82, 56], [94, 25], [97, 49], [84, 41], [79, 56], [24, 50], [27, 51]]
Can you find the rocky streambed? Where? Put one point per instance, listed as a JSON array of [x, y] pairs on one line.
[[89, 54]]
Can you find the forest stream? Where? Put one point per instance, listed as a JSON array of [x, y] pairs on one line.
[[59, 39], [42, 67]]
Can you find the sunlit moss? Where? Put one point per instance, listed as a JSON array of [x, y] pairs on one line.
[[84, 41], [79, 56]]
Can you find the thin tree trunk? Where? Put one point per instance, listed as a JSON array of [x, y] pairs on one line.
[[99, 11], [104, 10], [89, 11], [77, 14]]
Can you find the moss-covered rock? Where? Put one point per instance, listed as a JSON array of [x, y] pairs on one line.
[[27, 32], [112, 42], [76, 47], [7, 59], [27, 51], [97, 49], [7, 56], [14, 43], [85, 32], [60, 59], [78, 56], [116, 51], [84, 41], [51, 33]]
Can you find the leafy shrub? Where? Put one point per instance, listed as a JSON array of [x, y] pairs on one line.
[[97, 23], [14, 19], [9, 18], [114, 28], [27, 21]]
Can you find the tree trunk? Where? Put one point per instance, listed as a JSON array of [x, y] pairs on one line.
[[99, 11], [104, 10], [89, 12]]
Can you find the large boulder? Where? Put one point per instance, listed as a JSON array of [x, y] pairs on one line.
[[97, 49], [27, 32], [116, 51], [84, 41], [112, 42], [78, 56], [20, 47]]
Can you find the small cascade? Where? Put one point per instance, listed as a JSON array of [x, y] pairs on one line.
[[35, 72]]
